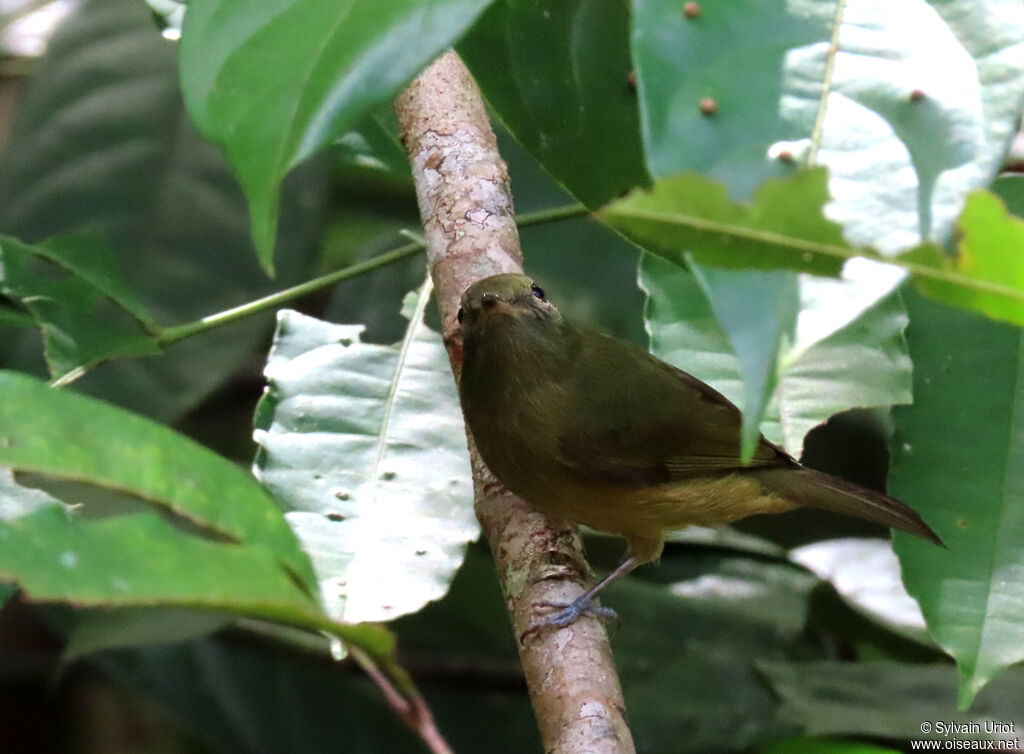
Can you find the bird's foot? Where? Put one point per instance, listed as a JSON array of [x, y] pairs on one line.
[[567, 613]]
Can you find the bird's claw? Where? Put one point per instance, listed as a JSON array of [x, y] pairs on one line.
[[567, 613]]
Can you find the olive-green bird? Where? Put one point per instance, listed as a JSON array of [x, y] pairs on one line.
[[593, 430]]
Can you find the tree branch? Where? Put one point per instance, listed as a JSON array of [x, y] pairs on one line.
[[466, 207]]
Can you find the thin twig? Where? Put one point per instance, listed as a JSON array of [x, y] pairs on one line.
[[180, 332], [417, 244], [409, 707]]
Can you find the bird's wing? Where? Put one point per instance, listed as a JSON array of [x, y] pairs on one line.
[[654, 424]]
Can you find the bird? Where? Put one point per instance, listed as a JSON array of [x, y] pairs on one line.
[[594, 430]]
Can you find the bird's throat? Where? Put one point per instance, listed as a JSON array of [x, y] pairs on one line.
[[521, 350]]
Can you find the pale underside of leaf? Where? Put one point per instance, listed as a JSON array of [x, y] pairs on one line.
[[913, 105], [364, 444], [866, 573]]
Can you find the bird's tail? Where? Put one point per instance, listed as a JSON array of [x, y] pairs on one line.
[[818, 490]]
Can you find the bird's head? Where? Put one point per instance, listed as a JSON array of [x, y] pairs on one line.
[[508, 298]]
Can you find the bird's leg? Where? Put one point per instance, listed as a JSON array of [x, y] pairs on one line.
[[569, 612]]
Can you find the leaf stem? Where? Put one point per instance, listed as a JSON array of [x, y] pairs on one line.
[[774, 238], [409, 707], [180, 332], [169, 335], [567, 212]]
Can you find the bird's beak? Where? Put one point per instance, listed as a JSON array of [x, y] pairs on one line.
[[491, 303]]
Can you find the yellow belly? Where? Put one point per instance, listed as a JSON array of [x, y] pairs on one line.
[[643, 515]]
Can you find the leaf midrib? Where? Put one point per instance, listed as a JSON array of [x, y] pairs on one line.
[[826, 85], [403, 353], [773, 238]]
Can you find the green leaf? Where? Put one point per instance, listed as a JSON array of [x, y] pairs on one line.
[[988, 270], [111, 628], [732, 52], [604, 303], [866, 574], [55, 554], [90, 258], [557, 74], [275, 81], [142, 559], [14, 316], [688, 219], [689, 215], [68, 436], [812, 84], [680, 61], [145, 568], [387, 525], [909, 113], [77, 331], [957, 458], [101, 142], [758, 311], [890, 700], [837, 360]]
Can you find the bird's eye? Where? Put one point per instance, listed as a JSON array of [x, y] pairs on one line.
[[460, 315], [537, 291]]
